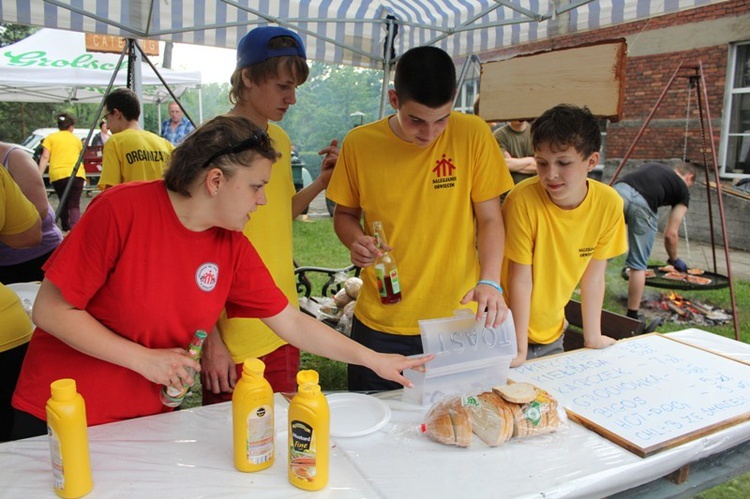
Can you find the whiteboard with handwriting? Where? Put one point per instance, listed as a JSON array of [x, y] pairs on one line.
[[646, 394]]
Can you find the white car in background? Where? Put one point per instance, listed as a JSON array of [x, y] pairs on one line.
[[33, 142], [92, 160]]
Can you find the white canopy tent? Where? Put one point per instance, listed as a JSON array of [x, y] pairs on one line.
[[352, 32], [365, 33], [53, 66]]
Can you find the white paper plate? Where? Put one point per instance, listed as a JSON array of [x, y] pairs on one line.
[[356, 414]]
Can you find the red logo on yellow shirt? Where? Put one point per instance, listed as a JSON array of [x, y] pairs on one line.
[[206, 276], [444, 177]]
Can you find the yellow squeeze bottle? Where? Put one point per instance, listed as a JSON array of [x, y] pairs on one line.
[[252, 417], [68, 440], [309, 434]]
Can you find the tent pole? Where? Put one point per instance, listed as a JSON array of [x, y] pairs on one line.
[[163, 82], [137, 75], [387, 63], [472, 59], [200, 103], [158, 110], [78, 164]]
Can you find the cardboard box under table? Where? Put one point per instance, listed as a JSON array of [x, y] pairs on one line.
[[469, 357]]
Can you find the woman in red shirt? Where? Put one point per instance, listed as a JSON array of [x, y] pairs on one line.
[[151, 262]]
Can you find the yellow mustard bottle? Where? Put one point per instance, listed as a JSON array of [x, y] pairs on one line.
[[309, 434], [68, 440], [252, 419]]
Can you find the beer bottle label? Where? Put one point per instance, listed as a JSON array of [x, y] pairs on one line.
[[380, 274], [394, 282]]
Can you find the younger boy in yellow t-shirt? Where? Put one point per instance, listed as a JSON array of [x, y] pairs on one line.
[[561, 227]]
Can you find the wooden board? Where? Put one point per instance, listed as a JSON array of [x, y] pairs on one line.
[[525, 86], [646, 394]]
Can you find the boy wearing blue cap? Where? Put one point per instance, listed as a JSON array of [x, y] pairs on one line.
[[271, 64]]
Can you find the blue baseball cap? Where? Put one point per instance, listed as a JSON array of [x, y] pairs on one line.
[[253, 48]]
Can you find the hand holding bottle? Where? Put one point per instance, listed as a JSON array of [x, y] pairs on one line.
[[165, 366], [363, 251], [172, 395]]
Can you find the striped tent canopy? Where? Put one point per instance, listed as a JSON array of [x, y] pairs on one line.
[[352, 32]]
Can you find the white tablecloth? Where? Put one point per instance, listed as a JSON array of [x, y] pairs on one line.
[[189, 454]]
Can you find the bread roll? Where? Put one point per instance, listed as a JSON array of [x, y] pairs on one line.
[[342, 298], [352, 286]]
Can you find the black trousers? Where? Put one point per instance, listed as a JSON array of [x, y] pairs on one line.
[[10, 367], [362, 379], [71, 212], [25, 271]]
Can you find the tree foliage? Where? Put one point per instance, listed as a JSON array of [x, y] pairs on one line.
[[323, 110], [325, 104]]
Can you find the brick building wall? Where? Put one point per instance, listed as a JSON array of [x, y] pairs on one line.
[[647, 77]]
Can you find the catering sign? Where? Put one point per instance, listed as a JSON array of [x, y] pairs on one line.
[[115, 44]]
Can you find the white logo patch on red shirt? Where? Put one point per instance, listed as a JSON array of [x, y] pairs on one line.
[[206, 276]]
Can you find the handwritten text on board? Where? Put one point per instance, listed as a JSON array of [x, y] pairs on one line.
[[650, 390]]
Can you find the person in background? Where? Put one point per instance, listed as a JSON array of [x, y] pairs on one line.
[[25, 265], [561, 228], [271, 64], [102, 137], [20, 227], [433, 177], [61, 151], [514, 139], [643, 191], [131, 153], [176, 128], [170, 255]]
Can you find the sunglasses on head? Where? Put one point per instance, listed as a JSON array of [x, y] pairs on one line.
[[258, 139]]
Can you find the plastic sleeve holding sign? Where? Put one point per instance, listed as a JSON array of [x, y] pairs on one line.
[[469, 357]]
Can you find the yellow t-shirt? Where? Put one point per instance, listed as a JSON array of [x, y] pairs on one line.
[[64, 151], [558, 244], [17, 214], [15, 325], [270, 231], [134, 155], [423, 196]]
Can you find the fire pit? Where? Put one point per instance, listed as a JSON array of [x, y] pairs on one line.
[[681, 310]]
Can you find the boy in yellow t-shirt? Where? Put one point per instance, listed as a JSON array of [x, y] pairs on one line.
[[130, 154], [561, 227], [271, 64], [433, 177]]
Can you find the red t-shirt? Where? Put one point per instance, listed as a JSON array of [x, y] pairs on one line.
[[132, 265]]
